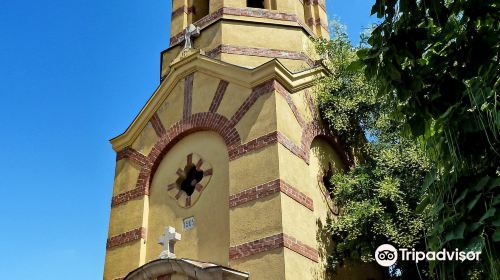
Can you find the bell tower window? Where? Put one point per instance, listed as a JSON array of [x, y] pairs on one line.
[[255, 4], [200, 9]]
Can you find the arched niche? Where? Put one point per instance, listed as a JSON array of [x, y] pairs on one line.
[[208, 240]]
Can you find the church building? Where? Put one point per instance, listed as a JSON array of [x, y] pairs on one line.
[[220, 175]]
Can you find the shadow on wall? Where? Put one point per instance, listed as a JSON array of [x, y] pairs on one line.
[[349, 270], [329, 165]]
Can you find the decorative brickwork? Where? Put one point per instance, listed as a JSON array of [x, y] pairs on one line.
[[219, 94], [248, 12], [248, 103], [133, 155], [193, 123], [157, 125], [296, 195], [300, 248], [310, 103], [127, 196], [268, 189], [318, 22], [299, 151], [226, 128], [262, 52], [315, 129], [253, 145], [186, 198], [270, 243], [188, 95], [126, 237], [283, 92], [257, 246]]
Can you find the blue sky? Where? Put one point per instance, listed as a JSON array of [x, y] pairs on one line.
[[73, 74]]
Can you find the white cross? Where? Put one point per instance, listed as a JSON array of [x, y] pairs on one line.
[[190, 31], [167, 240]]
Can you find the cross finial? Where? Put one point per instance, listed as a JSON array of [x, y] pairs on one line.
[[167, 240], [189, 32]]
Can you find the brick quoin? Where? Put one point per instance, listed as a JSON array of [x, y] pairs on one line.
[[126, 237], [268, 189], [270, 243]]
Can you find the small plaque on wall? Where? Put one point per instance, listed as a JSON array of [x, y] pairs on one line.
[[188, 223]]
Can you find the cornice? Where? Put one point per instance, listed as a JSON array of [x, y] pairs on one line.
[[231, 73]]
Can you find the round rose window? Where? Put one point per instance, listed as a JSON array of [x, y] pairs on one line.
[[193, 175]]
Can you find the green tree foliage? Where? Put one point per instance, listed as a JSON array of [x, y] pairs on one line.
[[378, 197], [438, 62]]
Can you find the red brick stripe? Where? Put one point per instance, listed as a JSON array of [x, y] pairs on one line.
[[262, 52], [283, 92], [248, 12], [280, 240], [157, 125], [131, 154], [300, 151], [219, 94], [296, 195], [188, 95], [268, 189], [127, 196], [253, 145], [318, 22], [126, 237], [248, 103], [300, 248], [264, 141]]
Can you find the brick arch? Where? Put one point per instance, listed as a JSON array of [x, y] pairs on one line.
[[313, 130], [206, 121]]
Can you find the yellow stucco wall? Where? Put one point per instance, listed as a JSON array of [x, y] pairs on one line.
[[268, 265], [260, 118], [145, 142], [204, 88], [121, 260], [170, 111], [126, 176]]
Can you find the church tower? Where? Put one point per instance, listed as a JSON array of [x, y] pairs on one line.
[[224, 166]]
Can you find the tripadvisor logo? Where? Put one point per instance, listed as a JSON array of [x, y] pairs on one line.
[[386, 255]]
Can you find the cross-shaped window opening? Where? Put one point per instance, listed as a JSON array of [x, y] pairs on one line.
[[193, 177]]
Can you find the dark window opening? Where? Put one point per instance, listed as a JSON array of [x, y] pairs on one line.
[[200, 9], [193, 177], [327, 176], [255, 4]]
